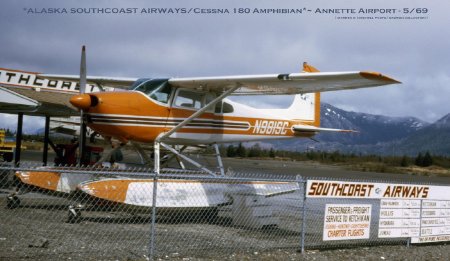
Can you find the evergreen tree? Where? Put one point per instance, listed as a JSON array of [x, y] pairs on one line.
[[255, 151], [9, 132], [427, 160], [231, 151], [272, 153], [222, 150], [404, 162], [241, 151], [419, 160]]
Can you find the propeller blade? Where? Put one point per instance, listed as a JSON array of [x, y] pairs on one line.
[[82, 141], [83, 70]]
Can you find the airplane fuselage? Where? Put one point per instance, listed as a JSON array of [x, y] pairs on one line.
[[140, 116]]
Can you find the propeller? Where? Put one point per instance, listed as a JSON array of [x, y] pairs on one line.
[[83, 70], [83, 101], [82, 140]]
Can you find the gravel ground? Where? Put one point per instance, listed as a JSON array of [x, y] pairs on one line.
[[435, 252], [37, 231]]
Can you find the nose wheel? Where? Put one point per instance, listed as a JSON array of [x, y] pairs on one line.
[[12, 202]]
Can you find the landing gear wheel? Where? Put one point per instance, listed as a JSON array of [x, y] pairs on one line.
[[12, 202], [74, 215]]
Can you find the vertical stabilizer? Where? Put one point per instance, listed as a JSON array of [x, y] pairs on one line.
[[311, 69], [306, 107]]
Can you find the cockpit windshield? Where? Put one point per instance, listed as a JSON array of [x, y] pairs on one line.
[[157, 89]]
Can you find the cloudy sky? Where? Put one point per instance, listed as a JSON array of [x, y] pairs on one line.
[[414, 51]]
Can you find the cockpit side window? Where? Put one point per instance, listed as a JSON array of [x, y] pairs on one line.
[[162, 94], [157, 89]]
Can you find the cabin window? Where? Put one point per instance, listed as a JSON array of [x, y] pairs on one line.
[[194, 99], [224, 107], [209, 97], [218, 107], [227, 108], [157, 89], [189, 99]]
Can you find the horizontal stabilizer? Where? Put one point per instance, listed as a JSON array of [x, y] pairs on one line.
[[308, 128]]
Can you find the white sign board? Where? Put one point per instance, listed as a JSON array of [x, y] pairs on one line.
[[435, 222], [428, 239], [399, 218], [421, 212], [347, 221], [344, 189]]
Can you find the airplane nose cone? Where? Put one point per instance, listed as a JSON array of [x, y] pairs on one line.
[[81, 101]]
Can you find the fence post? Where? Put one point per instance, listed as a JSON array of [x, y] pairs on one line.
[[302, 183], [152, 230]]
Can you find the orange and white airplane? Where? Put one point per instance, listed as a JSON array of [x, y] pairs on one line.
[[196, 111], [188, 111], [185, 111]]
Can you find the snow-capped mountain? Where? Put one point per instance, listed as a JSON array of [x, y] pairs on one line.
[[434, 138], [371, 128], [377, 134]]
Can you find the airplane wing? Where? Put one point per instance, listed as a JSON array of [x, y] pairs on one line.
[[48, 94], [33, 102], [115, 82], [12, 101], [293, 83]]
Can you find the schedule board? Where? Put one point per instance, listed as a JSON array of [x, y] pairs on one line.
[[399, 218]]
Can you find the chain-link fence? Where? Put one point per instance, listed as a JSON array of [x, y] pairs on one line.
[[104, 213], [49, 212]]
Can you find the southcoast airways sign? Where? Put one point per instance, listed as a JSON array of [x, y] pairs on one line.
[[22, 79], [343, 189]]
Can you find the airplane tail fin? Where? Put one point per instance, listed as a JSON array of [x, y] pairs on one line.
[[306, 107], [309, 68]]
